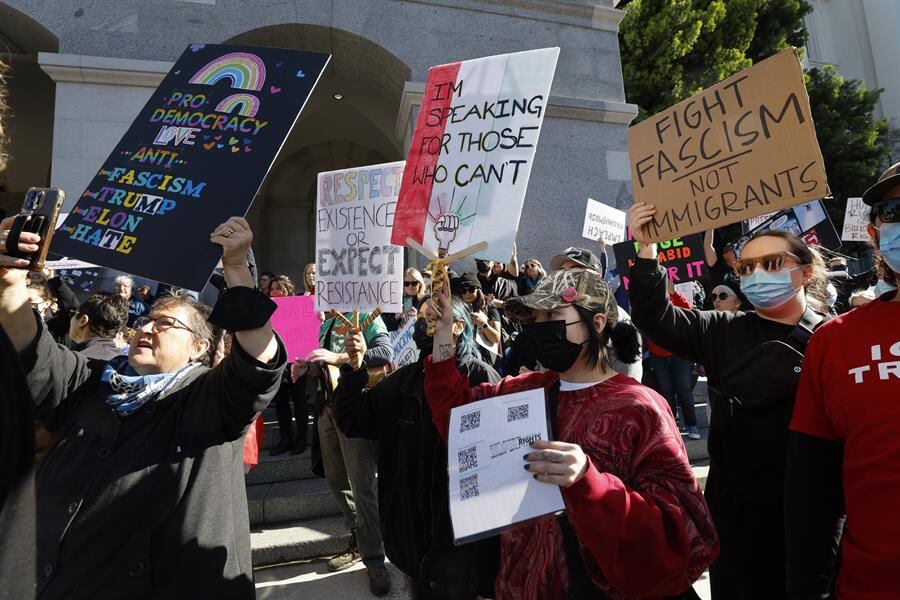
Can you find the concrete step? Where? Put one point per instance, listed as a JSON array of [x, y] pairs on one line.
[[696, 449], [302, 540], [289, 501], [284, 467]]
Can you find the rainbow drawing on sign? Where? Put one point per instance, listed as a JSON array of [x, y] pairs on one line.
[[247, 105], [246, 71]]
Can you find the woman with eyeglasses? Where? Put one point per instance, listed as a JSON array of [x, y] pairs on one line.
[[844, 452], [143, 494], [753, 359], [414, 293]]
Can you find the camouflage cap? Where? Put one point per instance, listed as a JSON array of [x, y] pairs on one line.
[[583, 287]]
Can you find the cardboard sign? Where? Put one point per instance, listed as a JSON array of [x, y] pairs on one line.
[[357, 267], [471, 152], [683, 257], [809, 221], [741, 148], [856, 221], [195, 155], [405, 350], [602, 221], [297, 322]]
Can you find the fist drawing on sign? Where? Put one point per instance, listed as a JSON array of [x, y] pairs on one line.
[[445, 232]]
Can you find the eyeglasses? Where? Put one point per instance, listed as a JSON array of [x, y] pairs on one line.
[[410, 283], [721, 296], [770, 263], [160, 324], [888, 210], [467, 290]]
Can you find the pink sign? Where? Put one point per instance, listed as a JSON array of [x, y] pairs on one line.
[[297, 322]]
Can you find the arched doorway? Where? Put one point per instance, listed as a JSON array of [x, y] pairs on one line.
[[349, 121], [30, 97]]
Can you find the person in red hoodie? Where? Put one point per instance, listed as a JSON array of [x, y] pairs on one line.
[[636, 524]]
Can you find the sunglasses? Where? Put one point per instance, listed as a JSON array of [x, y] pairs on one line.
[[888, 210], [721, 296], [770, 263], [467, 290], [410, 283]]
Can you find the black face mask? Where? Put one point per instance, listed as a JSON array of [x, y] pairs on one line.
[[424, 342], [546, 343]]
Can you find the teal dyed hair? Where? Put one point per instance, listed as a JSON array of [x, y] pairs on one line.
[[466, 347]]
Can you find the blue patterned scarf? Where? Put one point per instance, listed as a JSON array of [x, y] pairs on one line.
[[126, 391]]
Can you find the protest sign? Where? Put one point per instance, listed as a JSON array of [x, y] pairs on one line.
[[195, 155], [683, 257], [741, 148], [471, 152], [81, 281], [809, 222], [754, 222], [489, 489], [297, 322], [68, 263], [856, 221], [602, 221], [405, 350], [357, 267]]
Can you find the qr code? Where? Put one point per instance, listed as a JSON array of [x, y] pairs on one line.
[[516, 413], [468, 459], [470, 421], [468, 487]]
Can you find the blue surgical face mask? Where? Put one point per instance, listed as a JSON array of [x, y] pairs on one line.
[[889, 245], [883, 287], [768, 290]]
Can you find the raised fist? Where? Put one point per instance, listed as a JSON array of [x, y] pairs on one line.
[[445, 231]]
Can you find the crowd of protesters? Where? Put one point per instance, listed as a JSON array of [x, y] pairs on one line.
[[144, 413]]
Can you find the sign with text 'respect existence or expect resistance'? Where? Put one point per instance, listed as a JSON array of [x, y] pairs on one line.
[[603, 222], [195, 155], [357, 267], [741, 148], [472, 150]]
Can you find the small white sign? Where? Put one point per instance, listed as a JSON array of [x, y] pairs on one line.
[[856, 221], [602, 221], [66, 263], [754, 222], [489, 487]]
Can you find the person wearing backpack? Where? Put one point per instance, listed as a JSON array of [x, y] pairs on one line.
[[753, 360]]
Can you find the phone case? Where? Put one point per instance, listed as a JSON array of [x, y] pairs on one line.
[[40, 220]]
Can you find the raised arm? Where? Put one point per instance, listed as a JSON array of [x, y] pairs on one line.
[[234, 236], [709, 251], [16, 316], [513, 266]]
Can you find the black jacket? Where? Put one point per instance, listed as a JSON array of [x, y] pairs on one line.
[[152, 505], [412, 477], [17, 510], [99, 348]]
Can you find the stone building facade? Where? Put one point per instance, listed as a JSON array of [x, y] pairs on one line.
[[82, 70]]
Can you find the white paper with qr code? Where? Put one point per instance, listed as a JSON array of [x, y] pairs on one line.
[[489, 486]]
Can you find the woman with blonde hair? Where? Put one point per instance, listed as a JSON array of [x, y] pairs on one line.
[[309, 279], [414, 293]]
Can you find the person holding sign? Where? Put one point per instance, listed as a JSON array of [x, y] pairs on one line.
[[844, 452], [412, 464], [753, 359], [143, 495], [636, 524]]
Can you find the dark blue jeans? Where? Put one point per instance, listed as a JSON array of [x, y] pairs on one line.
[[673, 379]]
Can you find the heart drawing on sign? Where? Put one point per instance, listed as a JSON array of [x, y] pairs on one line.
[[219, 145], [232, 141], [248, 141], [235, 149], [218, 137], [209, 146], [197, 47], [301, 74], [246, 148], [278, 65], [274, 89]]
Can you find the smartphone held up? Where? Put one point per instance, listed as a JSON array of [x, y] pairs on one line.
[[39, 214]]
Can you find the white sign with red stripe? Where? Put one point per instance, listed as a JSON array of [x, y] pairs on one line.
[[471, 152]]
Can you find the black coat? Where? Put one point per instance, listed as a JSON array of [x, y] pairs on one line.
[[413, 500], [152, 505]]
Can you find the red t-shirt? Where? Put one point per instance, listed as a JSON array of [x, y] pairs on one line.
[[850, 392]]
